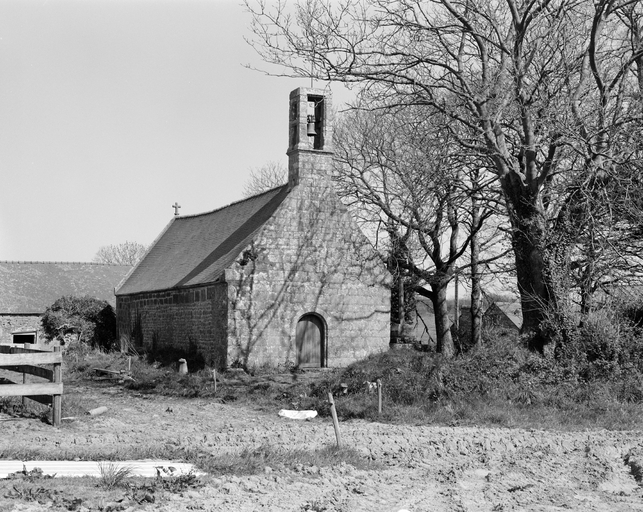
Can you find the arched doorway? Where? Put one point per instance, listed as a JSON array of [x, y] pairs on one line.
[[311, 342]]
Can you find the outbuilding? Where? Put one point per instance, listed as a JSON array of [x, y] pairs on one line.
[[28, 288]]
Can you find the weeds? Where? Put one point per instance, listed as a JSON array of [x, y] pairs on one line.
[[594, 382], [173, 484], [502, 384], [254, 461], [31, 493], [316, 506], [84, 494], [29, 476], [176, 484], [112, 475], [13, 406]]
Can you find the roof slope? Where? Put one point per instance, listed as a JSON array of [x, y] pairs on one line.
[[512, 310], [31, 287], [196, 249]]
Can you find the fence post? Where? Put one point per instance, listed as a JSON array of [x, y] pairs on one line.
[[333, 412], [57, 399], [24, 381], [379, 396]]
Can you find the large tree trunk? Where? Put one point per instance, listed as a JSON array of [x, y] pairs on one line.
[[536, 258], [444, 343], [476, 290]]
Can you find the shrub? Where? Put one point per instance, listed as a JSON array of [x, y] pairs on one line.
[[92, 321], [634, 312], [598, 345]]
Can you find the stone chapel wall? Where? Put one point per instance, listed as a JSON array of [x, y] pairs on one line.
[[310, 257], [192, 319]]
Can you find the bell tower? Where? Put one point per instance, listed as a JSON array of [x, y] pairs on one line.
[[310, 135]]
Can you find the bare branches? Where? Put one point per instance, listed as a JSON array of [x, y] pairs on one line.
[[127, 253], [262, 179], [545, 94]]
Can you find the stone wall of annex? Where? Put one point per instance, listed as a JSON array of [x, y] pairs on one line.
[[311, 257], [191, 319], [10, 323]]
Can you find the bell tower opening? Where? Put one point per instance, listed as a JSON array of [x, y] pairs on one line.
[[310, 134], [314, 118]]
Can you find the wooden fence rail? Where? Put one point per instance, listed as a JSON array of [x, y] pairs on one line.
[[29, 361]]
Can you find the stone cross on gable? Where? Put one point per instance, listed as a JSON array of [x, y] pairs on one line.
[[176, 207]]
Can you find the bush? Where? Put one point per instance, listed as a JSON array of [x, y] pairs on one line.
[[599, 345], [92, 321], [634, 312]]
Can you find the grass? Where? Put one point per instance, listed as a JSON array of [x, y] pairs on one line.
[[503, 384], [254, 461], [73, 405], [115, 491], [112, 475], [245, 462]]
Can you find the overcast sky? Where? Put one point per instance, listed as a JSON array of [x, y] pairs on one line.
[[112, 110]]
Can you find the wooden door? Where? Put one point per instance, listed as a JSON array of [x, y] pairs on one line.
[[310, 340]]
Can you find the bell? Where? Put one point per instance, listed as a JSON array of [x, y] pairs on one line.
[[311, 126]]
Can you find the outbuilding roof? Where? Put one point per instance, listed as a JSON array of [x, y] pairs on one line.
[[511, 310], [28, 287], [196, 249]]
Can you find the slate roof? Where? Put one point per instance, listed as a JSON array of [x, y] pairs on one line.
[[30, 287], [196, 249], [512, 310]]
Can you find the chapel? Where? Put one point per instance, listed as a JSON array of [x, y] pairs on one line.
[[285, 277]]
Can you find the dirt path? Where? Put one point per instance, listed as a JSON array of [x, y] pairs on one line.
[[426, 468]]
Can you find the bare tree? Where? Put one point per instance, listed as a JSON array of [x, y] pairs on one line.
[[270, 175], [544, 91], [127, 253], [414, 193]]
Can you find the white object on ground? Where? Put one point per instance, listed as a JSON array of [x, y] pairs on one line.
[[98, 411], [297, 415], [59, 468]]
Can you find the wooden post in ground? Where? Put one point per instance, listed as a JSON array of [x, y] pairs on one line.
[[333, 412], [379, 396], [24, 381], [57, 399]]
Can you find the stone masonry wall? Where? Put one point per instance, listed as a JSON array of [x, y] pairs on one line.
[[310, 257], [188, 319]]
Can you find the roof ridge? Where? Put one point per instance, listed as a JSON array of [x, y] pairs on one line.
[[192, 215], [65, 263]]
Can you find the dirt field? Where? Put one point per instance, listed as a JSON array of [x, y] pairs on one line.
[[424, 468]]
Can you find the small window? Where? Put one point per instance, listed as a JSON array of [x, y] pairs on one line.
[[24, 337]]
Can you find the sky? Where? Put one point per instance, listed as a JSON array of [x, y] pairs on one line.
[[113, 110]]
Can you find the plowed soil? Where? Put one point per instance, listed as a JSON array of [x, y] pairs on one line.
[[424, 468]]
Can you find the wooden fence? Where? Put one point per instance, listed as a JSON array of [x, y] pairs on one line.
[[30, 362]]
